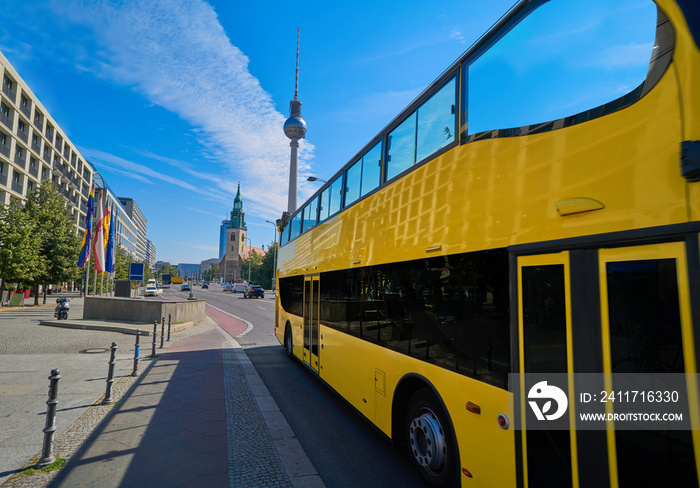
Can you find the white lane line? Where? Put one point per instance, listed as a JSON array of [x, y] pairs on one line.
[[248, 329]]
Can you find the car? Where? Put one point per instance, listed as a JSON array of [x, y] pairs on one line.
[[254, 291], [185, 287], [205, 285], [151, 290], [239, 288], [228, 287]]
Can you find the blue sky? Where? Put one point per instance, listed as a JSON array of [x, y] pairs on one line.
[[177, 101]]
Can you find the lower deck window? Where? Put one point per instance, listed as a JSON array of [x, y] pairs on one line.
[[451, 311]]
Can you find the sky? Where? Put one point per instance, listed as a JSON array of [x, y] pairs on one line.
[[176, 102]]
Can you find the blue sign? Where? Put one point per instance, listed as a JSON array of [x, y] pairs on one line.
[[136, 271]]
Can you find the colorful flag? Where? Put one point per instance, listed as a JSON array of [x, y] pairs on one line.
[[106, 227], [109, 258], [98, 245], [85, 249]]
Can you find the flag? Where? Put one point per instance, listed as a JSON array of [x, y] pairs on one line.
[[85, 249], [98, 244], [109, 258], [106, 228]]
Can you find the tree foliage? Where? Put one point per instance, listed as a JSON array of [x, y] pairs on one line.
[[261, 267], [38, 240]]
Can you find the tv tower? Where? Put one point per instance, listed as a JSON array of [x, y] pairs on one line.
[[295, 129]]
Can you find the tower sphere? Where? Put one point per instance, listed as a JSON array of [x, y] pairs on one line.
[[295, 128]]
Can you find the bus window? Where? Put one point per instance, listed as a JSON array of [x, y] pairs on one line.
[[310, 215], [402, 147], [371, 163], [425, 131], [284, 236], [565, 58], [363, 176], [436, 121], [295, 226], [331, 198]]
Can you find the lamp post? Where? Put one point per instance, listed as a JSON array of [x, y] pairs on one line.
[[249, 257], [274, 264]]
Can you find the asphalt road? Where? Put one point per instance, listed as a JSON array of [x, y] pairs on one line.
[[346, 450]]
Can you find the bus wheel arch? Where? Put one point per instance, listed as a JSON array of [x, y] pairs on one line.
[[420, 422]]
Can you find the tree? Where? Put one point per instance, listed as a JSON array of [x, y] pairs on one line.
[[20, 250], [54, 229], [167, 269], [211, 273], [261, 267]]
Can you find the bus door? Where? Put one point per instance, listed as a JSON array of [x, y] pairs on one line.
[[312, 292], [647, 328], [547, 458]]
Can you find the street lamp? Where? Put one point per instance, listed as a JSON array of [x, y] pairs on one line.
[[313, 178], [249, 257], [274, 265]]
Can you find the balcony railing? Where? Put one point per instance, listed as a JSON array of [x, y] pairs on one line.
[[39, 124], [21, 160], [26, 109], [34, 171], [86, 191], [12, 94], [23, 135], [5, 150], [7, 120], [47, 156], [17, 186], [3, 179]]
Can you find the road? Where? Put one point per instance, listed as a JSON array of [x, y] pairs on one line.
[[346, 450]]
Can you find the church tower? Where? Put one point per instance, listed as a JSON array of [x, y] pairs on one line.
[[236, 234]]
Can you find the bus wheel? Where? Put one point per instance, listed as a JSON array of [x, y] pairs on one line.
[[430, 440], [288, 345]]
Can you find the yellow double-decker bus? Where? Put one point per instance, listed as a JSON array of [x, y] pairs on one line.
[[535, 210]]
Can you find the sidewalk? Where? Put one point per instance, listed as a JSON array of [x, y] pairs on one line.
[[198, 416]]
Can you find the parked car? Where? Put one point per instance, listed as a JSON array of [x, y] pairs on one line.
[[239, 288], [228, 287], [205, 285], [185, 287], [254, 291], [151, 290]]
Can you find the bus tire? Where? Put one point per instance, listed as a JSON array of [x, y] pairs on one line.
[[431, 442], [288, 343]]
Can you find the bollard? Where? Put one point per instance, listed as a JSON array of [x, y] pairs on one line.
[[50, 428], [155, 329], [162, 333], [169, 317], [135, 372], [110, 375]]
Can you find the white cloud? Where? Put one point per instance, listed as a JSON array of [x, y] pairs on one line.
[[177, 55]]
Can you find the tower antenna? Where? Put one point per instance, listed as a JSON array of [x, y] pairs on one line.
[[296, 79]]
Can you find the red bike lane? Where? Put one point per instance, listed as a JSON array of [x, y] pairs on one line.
[[229, 323]]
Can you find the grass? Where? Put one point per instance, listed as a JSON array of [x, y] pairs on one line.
[[57, 464]]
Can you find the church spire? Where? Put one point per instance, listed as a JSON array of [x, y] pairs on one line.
[[237, 214]]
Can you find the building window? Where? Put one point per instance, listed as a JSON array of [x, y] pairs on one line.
[[24, 101], [30, 187], [5, 110]]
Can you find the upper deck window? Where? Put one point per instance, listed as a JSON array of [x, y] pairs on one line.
[[363, 176], [563, 59], [427, 130], [331, 199], [310, 215]]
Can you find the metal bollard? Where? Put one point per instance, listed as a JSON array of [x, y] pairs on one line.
[[169, 316], [162, 333], [110, 375], [155, 329], [50, 428], [135, 372]]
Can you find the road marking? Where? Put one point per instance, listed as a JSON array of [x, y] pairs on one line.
[[261, 308], [248, 329]]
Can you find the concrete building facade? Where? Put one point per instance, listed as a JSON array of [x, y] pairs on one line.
[[34, 149], [141, 224]]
